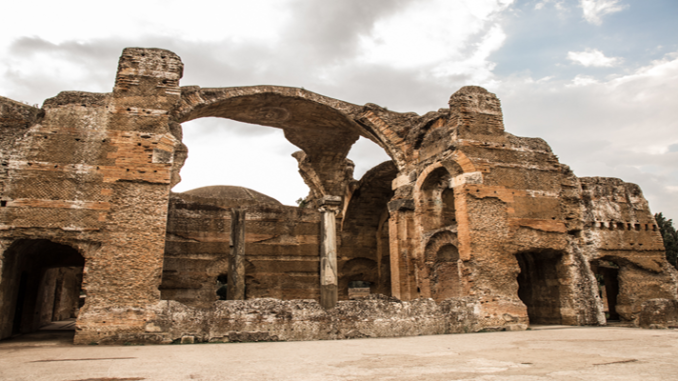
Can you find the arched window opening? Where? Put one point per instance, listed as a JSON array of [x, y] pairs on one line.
[[366, 154], [436, 202], [41, 284]]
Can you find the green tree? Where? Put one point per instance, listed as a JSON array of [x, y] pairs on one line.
[[670, 237]]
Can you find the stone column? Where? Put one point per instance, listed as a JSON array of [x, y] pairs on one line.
[[400, 223], [329, 207], [236, 261]]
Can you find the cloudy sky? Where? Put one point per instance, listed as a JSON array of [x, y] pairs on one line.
[[597, 79]]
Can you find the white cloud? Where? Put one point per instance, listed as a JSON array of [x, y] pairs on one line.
[[593, 57], [583, 80], [437, 33], [201, 20], [595, 9], [476, 66], [557, 3]]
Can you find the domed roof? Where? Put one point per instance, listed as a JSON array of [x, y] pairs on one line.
[[228, 192]]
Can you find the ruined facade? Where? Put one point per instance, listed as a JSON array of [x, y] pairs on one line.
[[468, 228]]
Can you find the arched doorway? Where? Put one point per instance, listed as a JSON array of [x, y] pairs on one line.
[[41, 282]]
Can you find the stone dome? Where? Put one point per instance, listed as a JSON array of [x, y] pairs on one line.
[[228, 192]]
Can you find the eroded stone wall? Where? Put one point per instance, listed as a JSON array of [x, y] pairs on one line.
[[92, 171], [281, 249], [277, 320], [469, 227]]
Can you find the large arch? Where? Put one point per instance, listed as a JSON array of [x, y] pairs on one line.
[[41, 282], [324, 128], [277, 106]]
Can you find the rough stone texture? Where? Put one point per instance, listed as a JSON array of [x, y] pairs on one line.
[[467, 228], [269, 319], [659, 313], [281, 248]]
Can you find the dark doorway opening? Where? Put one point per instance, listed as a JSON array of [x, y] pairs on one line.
[[41, 284], [607, 275], [539, 286], [222, 287]]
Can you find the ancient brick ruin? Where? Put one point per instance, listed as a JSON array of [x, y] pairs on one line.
[[468, 228]]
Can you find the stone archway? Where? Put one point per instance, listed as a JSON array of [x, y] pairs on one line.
[[41, 282], [323, 128]]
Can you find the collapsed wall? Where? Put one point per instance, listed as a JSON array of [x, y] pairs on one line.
[[468, 228]]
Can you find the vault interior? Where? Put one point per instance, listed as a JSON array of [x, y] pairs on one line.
[[539, 286], [41, 283]]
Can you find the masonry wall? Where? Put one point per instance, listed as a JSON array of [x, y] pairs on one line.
[[471, 211], [277, 320], [281, 250], [491, 198], [620, 229], [93, 171]]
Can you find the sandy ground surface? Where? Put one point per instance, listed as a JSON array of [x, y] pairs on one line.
[[542, 353]]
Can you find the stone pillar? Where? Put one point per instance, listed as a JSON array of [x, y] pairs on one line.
[[329, 207], [400, 225], [236, 262]]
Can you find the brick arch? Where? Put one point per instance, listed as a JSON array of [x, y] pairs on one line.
[[311, 121], [436, 242], [459, 162]]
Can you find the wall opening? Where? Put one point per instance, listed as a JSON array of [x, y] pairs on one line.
[[436, 201], [41, 284], [265, 151], [607, 275], [222, 286], [539, 286], [364, 254], [358, 276], [358, 289]]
